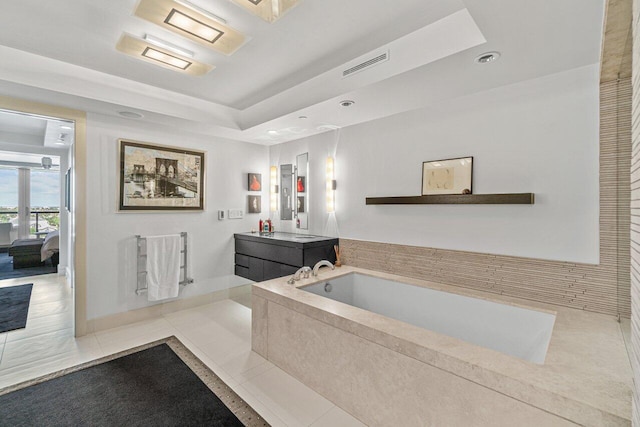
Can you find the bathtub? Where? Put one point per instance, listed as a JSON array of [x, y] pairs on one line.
[[418, 353], [512, 330]]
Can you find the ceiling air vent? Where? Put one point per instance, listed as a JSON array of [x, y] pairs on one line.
[[366, 64]]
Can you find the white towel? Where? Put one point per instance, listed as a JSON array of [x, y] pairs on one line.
[[163, 267]]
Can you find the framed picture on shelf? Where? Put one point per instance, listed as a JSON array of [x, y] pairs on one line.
[[160, 178], [449, 176], [301, 184], [254, 204], [254, 182]]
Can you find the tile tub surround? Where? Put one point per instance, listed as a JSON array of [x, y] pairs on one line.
[[336, 349]]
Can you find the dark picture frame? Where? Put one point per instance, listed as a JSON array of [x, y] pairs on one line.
[[448, 176], [300, 207], [160, 178], [254, 182], [254, 204]]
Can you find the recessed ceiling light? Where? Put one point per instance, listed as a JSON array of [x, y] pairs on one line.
[[269, 10], [272, 132], [130, 114], [192, 22], [303, 117], [487, 57], [169, 46], [141, 49], [347, 103]]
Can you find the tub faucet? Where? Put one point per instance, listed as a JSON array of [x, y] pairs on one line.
[[301, 271], [320, 264]]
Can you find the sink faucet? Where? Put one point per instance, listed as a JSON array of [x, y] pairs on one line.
[[320, 264], [301, 271]]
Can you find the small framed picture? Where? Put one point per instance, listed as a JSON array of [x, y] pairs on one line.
[[301, 184], [254, 182], [450, 176], [254, 204], [300, 204]]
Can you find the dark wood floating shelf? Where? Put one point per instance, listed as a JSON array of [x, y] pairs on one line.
[[456, 199]]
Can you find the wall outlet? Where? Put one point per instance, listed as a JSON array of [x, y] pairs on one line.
[[220, 215], [236, 214]]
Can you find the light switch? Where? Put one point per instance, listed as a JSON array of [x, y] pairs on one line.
[[236, 214]]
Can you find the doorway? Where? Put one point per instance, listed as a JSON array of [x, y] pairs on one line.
[[76, 177], [32, 226]]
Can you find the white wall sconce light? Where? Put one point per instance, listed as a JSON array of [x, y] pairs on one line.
[[274, 189], [331, 186]]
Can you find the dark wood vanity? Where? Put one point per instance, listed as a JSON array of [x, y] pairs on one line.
[[261, 257]]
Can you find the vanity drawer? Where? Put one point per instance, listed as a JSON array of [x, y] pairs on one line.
[[242, 260], [281, 254]]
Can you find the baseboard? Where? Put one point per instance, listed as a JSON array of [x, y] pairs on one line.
[[155, 311]]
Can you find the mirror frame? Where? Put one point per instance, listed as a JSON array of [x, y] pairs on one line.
[[302, 191]]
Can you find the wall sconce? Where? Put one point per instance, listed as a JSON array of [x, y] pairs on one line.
[[331, 186], [273, 182]]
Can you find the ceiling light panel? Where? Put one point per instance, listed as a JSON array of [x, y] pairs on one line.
[[166, 58], [189, 22], [269, 10], [161, 56]]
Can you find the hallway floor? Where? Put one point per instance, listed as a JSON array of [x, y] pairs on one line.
[[218, 333]]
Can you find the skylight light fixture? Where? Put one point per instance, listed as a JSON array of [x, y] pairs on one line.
[[192, 22], [162, 56], [201, 10], [165, 58], [169, 46], [196, 28], [269, 10]]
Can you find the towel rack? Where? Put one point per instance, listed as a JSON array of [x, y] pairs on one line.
[[142, 264]]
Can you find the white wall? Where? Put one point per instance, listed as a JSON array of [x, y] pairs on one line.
[[111, 263], [537, 136]]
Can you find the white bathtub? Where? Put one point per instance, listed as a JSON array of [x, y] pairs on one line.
[[462, 366], [512, 330]]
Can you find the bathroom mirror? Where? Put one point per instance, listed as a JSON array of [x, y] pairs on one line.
[[286, 192], [302, 191]]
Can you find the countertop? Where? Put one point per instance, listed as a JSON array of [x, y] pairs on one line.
[[287, 239], [586, 376]]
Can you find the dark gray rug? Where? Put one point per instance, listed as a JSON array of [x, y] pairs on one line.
[[14, 307], [7, 271], [160, 384]]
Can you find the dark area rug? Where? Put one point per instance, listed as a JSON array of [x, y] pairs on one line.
[[14, 307], [160, 384], [7, 271]]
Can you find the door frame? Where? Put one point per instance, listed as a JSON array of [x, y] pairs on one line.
[[78, 215]]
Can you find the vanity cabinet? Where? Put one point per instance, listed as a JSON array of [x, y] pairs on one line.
[[261, 257]]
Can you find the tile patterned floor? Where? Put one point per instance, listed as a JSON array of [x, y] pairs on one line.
[[218, 333]]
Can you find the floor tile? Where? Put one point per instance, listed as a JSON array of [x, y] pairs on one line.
[[42, 325], [289, 399], [245, 365], [336, 417], [136, 334], [48, 346], [52, 307], [265, 412]]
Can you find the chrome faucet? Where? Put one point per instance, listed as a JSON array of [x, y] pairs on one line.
[[301, 271], [320, 264]]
